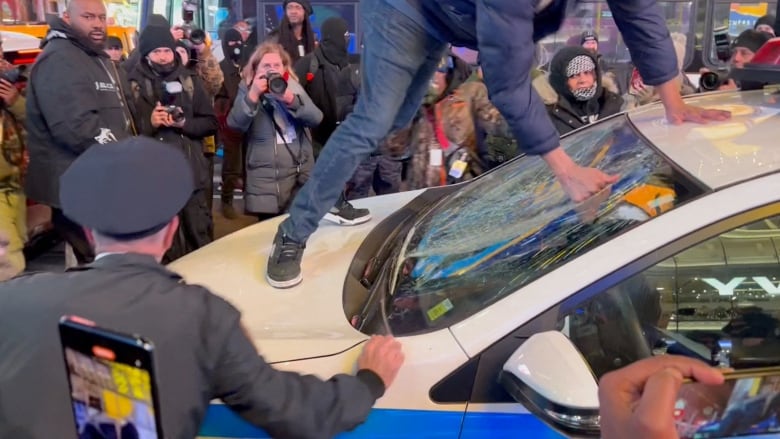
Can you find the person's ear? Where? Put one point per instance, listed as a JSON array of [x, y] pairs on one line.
[[66, 17], [170, 232]]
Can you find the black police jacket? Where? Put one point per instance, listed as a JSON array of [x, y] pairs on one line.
[[201, 353]]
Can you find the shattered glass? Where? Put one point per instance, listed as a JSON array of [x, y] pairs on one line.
[[512, 225]]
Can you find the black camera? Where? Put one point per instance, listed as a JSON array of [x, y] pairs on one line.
[[710, 81], [722, 44], [276, 83], [14, 75], [171, 92]]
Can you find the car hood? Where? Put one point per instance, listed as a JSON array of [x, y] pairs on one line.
[[306, 321]]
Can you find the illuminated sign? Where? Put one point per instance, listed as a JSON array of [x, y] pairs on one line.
[[727, 289]]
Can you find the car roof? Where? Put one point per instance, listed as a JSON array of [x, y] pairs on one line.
[[719, 153], [14, 41]]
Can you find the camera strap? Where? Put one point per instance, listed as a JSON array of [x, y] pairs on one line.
[[269, 109]]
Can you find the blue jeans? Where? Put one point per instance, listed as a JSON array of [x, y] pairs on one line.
[[398, 61]]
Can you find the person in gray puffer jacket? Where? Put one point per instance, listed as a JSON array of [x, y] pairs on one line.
[[279, 153]]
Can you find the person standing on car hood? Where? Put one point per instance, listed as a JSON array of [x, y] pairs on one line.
[[74, 99], [404, 42]]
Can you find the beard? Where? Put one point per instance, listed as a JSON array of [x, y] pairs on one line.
[[163, 69], [94, 39]]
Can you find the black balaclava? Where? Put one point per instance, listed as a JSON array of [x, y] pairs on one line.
[[335, 34], [568, 62], [232, 52]]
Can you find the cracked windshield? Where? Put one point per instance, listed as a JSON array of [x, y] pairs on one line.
[[511, 226]]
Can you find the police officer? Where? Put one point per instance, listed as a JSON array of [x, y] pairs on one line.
[[202, 350]]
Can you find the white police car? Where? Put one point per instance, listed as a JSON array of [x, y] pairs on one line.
[[510, 306]]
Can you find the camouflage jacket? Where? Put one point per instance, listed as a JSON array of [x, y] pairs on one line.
[[210, 73], [469, 112]]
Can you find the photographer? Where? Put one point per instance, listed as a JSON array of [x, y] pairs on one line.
[[274, 110], [743, 49], [171, 105], [206, 65], [13, 206]]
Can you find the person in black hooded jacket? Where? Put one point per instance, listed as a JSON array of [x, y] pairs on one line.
[[153, 84], [232, 162], [74, 100], [320, 73], [576, 77]]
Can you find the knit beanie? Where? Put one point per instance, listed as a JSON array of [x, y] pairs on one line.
[[154, 37], [752, 40]]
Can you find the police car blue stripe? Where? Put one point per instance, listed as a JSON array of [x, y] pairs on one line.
[[221, 422]]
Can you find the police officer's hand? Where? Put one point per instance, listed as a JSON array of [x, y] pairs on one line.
[[160, 117], [258, 88], [8, 92], [383, 356], [638, 400]]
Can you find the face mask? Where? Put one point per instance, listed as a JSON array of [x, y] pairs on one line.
[[163, 69], [585, 94]]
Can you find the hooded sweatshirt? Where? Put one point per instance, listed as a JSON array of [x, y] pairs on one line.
[[578, 108]]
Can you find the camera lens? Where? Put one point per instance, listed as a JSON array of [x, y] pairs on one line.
[[709, 81]]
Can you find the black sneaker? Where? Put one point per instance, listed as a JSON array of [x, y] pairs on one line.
[[284, 264], [344, 213]]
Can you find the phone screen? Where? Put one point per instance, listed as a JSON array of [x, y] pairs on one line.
[[110, 398], [739, 407]]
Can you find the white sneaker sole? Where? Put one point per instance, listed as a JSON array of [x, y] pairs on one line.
[[345, 222], [284, 284]]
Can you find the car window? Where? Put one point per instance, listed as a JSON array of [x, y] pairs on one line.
[[718, 301], [503, 230], [736, 17]]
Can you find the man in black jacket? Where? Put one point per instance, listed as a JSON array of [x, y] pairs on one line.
[[232, 160], [74, 99], [202, 351], [170, 103]]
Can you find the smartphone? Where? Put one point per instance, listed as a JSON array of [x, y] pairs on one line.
[[112, 383], [747, 404]]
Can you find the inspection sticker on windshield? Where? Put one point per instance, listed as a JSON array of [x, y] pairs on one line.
[[439, 310]]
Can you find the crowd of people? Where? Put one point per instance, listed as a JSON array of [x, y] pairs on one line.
[[122, 150]]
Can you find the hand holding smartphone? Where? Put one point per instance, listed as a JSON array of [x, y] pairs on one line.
[[747, 404], [112, 386]]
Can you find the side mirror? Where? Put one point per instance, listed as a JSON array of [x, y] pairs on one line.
[[550, 377]]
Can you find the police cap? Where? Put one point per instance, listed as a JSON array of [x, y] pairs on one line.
[[128, 189]]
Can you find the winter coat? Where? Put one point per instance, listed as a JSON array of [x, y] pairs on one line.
[[73, 102], [274, 170], [200, 121], [568, 113]]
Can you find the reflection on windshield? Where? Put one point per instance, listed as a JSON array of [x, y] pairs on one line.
[[510, 226]]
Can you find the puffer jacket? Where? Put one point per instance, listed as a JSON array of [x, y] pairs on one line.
[[274, 171]]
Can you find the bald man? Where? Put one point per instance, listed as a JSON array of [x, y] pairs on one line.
[[74, 99]]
